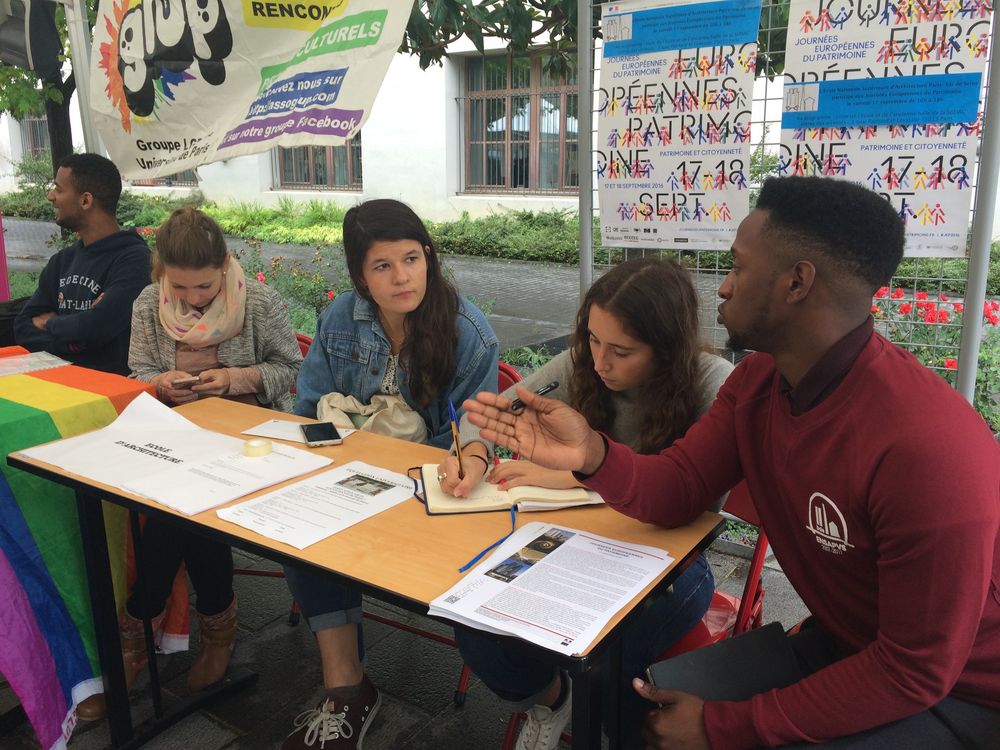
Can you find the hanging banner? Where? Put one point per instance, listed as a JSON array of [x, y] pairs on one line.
[[178, 83], [673, 150], [888, 95]]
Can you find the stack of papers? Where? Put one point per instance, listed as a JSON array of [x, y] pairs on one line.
[[22, 363], [152, 451], [552, 586]]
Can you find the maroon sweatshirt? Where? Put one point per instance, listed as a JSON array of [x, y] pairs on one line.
[[882, 505]]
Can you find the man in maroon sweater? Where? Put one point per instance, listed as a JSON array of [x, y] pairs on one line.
[[878, 485]]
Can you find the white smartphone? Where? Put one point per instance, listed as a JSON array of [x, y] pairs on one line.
[[324, 433]]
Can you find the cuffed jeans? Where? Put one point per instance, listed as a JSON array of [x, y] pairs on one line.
[[324, 602], [520, 678]]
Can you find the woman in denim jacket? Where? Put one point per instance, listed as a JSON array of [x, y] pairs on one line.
[[402, 330]]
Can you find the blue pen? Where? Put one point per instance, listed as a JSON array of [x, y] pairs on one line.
[[454, 436]]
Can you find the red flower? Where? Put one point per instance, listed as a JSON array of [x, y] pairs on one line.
[[943, 317], [993, 318], [905, 309], [930, 316], [882, 292], [951, 364], [897, 293], [994, 305], [261, 278], [943, 297], [959, 307], [920, 295], [875, 310], [331, 294]]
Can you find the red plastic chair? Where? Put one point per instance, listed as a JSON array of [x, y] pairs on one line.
[[506, 376], [304, 343], [727, 615]]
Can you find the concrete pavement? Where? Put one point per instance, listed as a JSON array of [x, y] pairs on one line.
[[531, 303]]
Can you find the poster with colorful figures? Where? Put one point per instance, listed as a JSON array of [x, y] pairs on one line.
[[887, 93], [178, 83], [673, 126]]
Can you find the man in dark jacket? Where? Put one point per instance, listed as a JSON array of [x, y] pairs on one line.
[[82, 309]]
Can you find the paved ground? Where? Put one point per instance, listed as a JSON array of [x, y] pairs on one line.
[[531, 303]]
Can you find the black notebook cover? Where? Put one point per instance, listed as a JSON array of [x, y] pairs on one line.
[[733, 669]]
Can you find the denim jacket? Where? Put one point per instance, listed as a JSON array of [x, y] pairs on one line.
[[351, 352]]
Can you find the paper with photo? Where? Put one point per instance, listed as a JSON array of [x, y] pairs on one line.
[[308, 511], [552, 586], [155, 452]]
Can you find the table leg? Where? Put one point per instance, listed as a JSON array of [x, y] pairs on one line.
[[147, 627], [614, 712], [102, 604], [587, 709]]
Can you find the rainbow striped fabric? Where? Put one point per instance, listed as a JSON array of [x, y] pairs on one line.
[[48, 650]]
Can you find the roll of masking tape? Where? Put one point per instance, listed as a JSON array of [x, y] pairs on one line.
[[256, 447]]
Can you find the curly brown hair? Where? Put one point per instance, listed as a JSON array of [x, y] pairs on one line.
[[655, 302]]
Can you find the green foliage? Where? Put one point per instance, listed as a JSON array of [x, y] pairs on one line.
[[142, 210], [519, 235], [34, 179], [740, 533], [526, 359], [316, 223], [23, 283]]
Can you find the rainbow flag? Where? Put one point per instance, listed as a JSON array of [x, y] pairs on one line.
[[48, 649]]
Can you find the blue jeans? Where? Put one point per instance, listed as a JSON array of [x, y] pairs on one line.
[[324, 602], [520, 678]]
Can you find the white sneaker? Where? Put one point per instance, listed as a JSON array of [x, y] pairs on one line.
[[543, 726]]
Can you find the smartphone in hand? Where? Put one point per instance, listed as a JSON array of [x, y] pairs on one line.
[[183, 382], [324, 433]]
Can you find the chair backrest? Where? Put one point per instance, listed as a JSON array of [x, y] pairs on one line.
[[750, 612], [304, 342], [506, 376]]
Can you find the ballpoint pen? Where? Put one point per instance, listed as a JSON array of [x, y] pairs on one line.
[[454, 436], [516, 405]]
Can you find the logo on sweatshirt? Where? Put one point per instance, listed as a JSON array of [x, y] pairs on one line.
[[827, 523]]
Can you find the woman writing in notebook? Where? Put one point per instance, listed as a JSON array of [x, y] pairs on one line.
[[202, 329], [636, 370], [391, 352]]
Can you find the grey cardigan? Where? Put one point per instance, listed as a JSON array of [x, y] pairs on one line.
[[266, 342]]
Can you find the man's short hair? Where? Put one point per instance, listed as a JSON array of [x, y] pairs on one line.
[[94, 174], [854, 227]]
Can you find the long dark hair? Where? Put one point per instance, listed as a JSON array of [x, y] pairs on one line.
[[656, 303], [431, 330]]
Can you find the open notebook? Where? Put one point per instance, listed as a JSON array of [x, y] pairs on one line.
[[488, 496]]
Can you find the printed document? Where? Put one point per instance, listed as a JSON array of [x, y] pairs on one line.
[[552, 586], [315, 508], [153, 451]]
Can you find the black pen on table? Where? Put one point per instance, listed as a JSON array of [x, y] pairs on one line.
[[516, 405]]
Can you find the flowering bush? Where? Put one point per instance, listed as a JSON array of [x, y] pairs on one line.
[[931, 328], [307, 291], [148, 234]]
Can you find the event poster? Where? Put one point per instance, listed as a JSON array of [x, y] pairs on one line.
[[673, 143], [178, 83], [888, 95]]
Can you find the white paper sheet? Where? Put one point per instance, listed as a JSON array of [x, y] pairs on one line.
[[284, 429], [553, 586], [153, 451], [22, 363], [315, 508]]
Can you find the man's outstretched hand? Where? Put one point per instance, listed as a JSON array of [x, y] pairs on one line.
[[545, 431]]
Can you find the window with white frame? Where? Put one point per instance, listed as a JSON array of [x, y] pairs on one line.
[[34, 136], [520, 125]]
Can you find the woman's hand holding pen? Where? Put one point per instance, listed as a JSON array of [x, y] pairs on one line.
[[511, 474], [546, 431], [475, 465]]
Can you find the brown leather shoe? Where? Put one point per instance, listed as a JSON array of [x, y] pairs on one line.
[[218, 640], [93, 708]]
